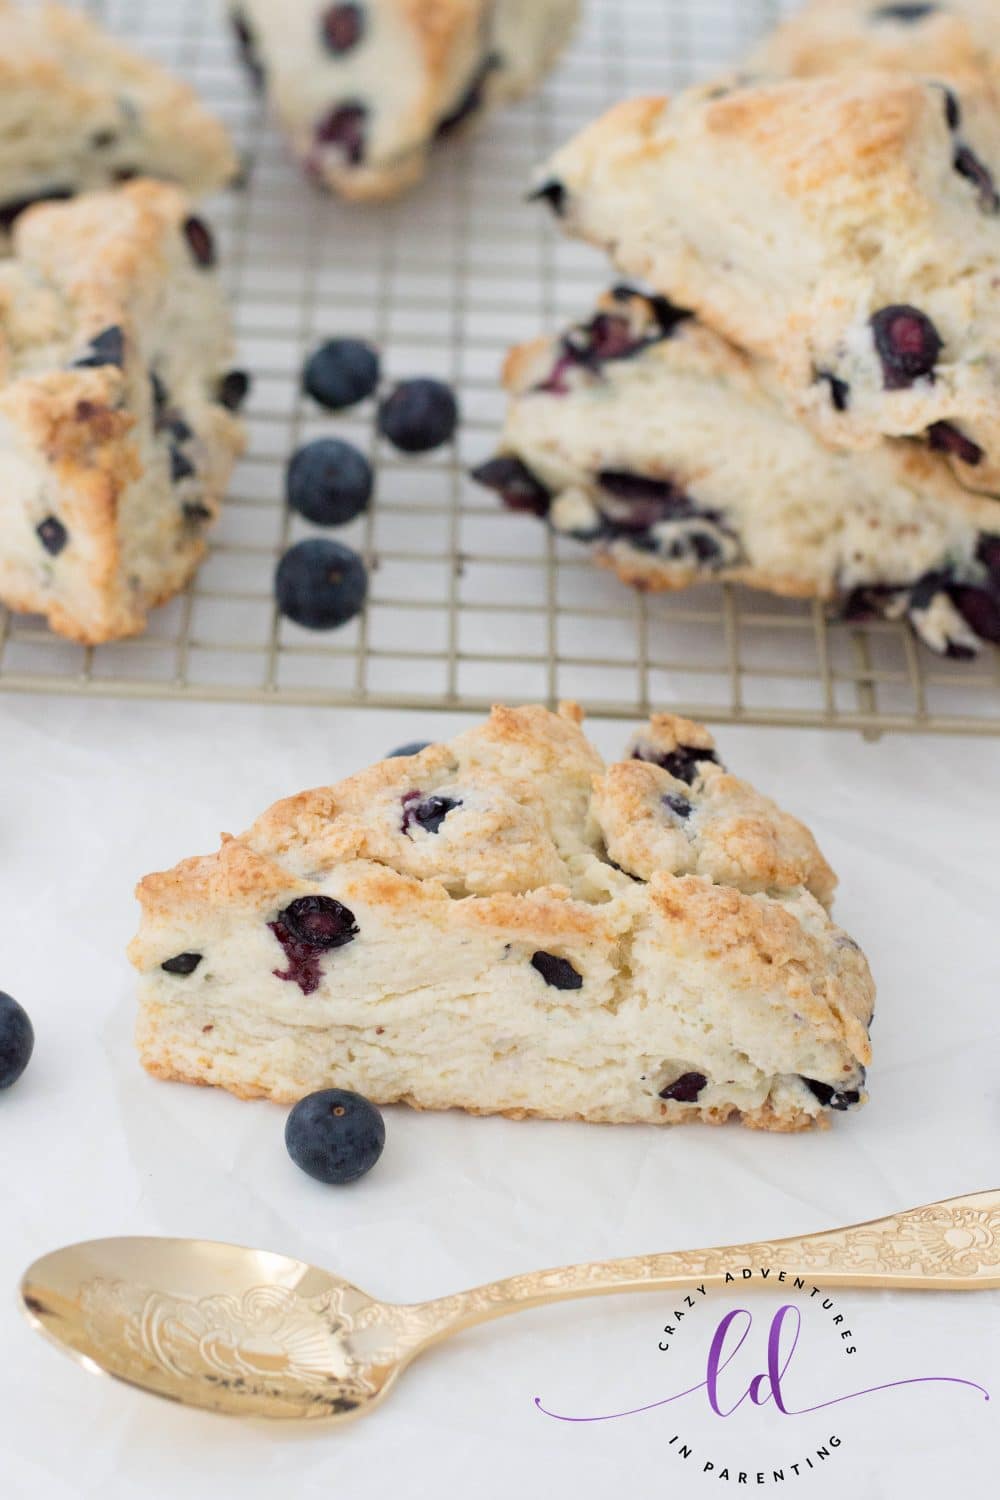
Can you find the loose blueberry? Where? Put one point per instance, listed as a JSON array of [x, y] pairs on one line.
[[840, 391], [17, 1040], [413, 748], [320, 584], [329, 482], [341, 372], [904, 13], [678, 805], [685, 1089], [15, 207], [233, 389], [427, 813], [908, 345], [968, 165], [344, 126], [557, 972], [200, 241], [52, 534], [683, 763], [832, 1098], [183, 963], [516, 485], [107, 348], [335, 1136], [945, 438], [418, 415], [342, 27], [554, 194]]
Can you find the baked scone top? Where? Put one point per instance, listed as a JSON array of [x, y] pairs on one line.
[[793, 216], [940, 39], [69, 71]]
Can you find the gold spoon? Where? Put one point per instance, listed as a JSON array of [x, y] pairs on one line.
[[251, 1333]]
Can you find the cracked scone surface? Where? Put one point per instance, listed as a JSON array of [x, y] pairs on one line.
[[673, 457], [365, 89], [846, 229], [941, 39], [506, 924], [116, 443], [79, 111]]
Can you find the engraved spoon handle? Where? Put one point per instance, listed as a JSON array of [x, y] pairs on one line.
[[949, 1246]]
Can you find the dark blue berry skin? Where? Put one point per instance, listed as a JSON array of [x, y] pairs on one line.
[[557, 972], [233, 389], [335, 1136], [329, 482], [182, 964], [413, 748], [419, 415], [320, 584], [106, 348], [341, 372], [685, 1090], [17, 1040], [52, 534]]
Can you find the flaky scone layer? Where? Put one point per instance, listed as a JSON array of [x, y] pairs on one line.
[[116, 441], [647, 437], [505, 924], [845, 229]]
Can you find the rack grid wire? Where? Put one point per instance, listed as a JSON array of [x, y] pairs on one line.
[[468, 604]]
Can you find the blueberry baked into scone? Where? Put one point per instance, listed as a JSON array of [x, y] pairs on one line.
[[845, 229], [117, 433], [646, 436], [506, 924], [935, 39], [80, 111], [365, 89]]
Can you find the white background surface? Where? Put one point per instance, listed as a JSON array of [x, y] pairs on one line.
[[96, 794]]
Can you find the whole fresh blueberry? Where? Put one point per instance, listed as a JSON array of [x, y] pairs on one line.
[[335, 1135], [418, 415], [413, 748], [320, 584], [341, 372], [17, 1040], [329, 482]]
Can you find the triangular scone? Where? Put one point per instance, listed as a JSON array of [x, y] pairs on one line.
[[845, 229], [117, 433], [80, 111], [505, 924], [647, 437], [365, 91], [938, 40]]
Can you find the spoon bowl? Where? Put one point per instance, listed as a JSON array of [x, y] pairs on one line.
[[235, 1330]]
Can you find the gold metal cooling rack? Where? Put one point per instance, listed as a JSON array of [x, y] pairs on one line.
[[468, 604]]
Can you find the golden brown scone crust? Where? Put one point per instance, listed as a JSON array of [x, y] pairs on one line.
[[692, 947]]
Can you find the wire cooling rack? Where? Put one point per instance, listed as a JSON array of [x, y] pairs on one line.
[[468, 604]]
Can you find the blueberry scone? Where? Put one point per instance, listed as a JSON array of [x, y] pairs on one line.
[[944, 38], [117, 432], [649, 438], [79, 111], [506, 924], [364, 90], [846, 229]]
